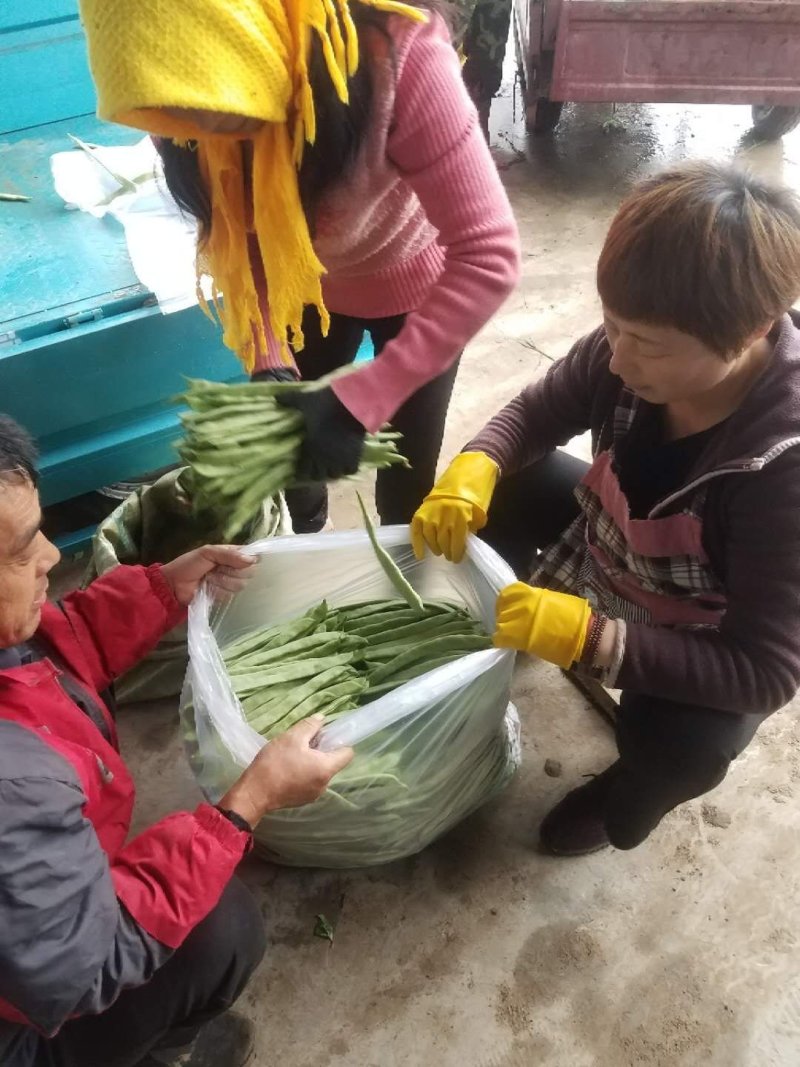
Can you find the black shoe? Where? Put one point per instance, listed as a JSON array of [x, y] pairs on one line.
[[576, 825], [226, 1041]]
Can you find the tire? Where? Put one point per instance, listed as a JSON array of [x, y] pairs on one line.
[[771, 123], [543, 116]]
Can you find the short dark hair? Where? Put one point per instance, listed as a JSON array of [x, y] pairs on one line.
[[18, 453], [707, 249]]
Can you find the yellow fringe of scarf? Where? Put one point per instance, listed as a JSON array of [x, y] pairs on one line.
[[291, 267]]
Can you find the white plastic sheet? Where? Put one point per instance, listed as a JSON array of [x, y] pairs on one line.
[[162, 240], [427, 754]]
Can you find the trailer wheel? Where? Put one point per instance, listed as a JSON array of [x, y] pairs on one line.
[[771, 123], [542, 116]]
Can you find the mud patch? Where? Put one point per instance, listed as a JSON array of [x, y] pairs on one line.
[[713, 816], [780, 793], [553, 959], [668, 1016], [511, 1011], [530, 1052]]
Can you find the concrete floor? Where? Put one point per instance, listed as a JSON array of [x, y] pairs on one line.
[[480, 952]]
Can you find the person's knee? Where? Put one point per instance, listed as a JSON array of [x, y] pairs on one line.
[[241, 925], [669, 753], [639, 799], [702, 770], [693, 768], [229, 943], [677, 748]]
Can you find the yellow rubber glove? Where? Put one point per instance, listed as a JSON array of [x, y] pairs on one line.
[[550, 625], [457, 505]]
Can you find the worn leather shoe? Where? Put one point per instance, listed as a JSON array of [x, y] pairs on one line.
[[226, 1041], [576, 825]]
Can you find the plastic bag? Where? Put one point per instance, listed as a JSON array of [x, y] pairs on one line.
[[427, 754], [155, 524]]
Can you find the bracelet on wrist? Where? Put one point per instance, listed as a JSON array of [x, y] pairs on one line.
[[597, 625]]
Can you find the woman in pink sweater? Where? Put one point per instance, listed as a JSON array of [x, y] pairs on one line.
[[407, 219]]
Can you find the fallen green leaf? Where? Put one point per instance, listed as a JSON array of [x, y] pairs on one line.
[[323, 929]]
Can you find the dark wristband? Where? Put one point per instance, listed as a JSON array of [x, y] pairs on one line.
[[237, 820]]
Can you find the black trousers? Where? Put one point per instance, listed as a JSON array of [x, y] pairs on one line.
[[668, 752], [202, 979], [399, 491]]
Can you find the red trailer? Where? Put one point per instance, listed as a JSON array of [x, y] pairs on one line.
[[661, 51]]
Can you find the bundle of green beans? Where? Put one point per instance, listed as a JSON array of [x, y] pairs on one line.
[[242, 446], [331, 660]]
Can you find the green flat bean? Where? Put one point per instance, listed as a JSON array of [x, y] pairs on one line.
[[449, 606], [304, 701], [373, 692], [385, 652], [427, 651], [376, 624], [423, 668], [339, 707], [298, 649], [233, 415], [365, 608], [390, 568], [284, 632], [255, 639], [290, 672], [376, 691], [422, 628], [283, 699], [258, 703], [360, 782]]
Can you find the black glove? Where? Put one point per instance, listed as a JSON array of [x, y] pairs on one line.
[[275, 374], [334, 439]]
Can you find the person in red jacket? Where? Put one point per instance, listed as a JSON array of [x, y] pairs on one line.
[[114, 953]]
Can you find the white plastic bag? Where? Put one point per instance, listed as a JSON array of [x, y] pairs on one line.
[[427, 754]]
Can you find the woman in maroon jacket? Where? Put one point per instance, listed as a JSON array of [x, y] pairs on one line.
[[113, 954], [670, 566]]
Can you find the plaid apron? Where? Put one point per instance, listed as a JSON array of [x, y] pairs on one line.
[[652, 570]]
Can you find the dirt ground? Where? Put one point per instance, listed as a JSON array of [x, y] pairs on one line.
[[479, 952]]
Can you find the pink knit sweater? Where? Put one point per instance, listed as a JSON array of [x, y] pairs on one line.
[[422, 224]]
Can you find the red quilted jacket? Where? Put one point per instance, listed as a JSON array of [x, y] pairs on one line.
[[166, 879]]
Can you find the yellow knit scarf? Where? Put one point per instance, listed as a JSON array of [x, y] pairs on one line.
[[250, 58]]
